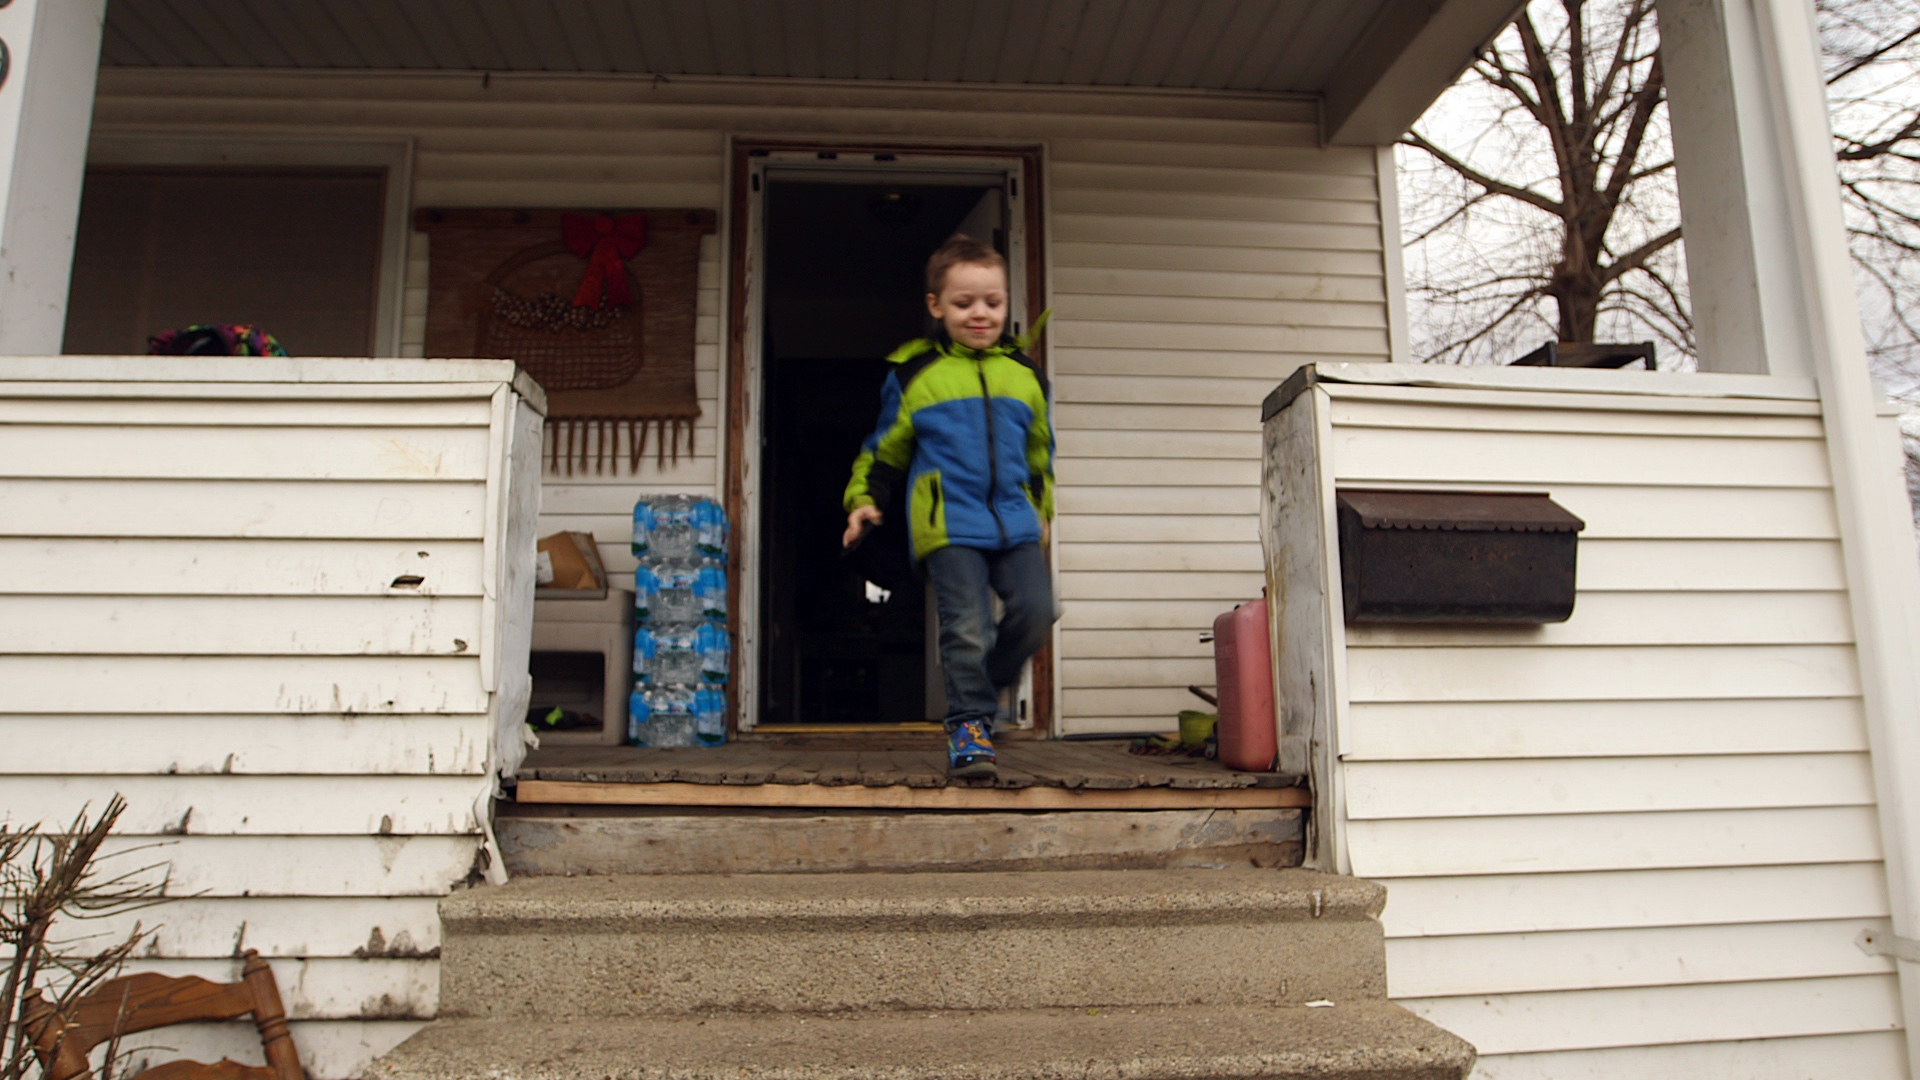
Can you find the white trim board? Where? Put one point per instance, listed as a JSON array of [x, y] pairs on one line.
[[394, 155]]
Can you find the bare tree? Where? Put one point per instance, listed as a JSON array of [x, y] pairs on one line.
[[1540, 198]]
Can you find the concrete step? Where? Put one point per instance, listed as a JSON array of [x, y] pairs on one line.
[[548, 840], [1368, 1040], [574, 948]]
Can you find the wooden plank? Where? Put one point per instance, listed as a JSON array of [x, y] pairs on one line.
[[43, 450], [373, 927], [1373, 455], [329, 988], [261, 805], [328, 1048], [232, 866], [184, 412], [242, 684], [1877, 1053], [1638, 956], [1521, 1023], [758, 843], [398, 624], [853, 796], [219, 509], [1602, 673], [1648, 618], [1535, 845], [1686, 896], [256, 745], [1139, 671], [1421, 730], [229, 567]]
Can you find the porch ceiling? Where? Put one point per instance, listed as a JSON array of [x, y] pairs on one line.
[[1340, 50]]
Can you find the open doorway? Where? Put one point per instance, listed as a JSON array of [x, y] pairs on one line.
[[845, 641]]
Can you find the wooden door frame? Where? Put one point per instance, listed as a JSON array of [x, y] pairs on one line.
[[741, 153]]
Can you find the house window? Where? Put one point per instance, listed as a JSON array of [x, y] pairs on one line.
[[295, 251]]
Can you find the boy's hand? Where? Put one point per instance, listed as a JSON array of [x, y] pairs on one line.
[[858, 522]]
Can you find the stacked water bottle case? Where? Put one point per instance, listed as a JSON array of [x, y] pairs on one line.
[[681, 650]]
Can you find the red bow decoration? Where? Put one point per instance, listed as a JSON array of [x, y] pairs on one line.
[[606, 242]]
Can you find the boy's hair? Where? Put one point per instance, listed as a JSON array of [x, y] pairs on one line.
[[959, 248]]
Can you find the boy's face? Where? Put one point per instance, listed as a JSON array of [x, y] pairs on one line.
[[972, 304]]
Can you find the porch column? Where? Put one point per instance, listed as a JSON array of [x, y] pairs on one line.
[[52, 51], [1770, 273]]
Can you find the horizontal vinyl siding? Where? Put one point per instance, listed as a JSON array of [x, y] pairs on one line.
[[1640, 842], [1197, 252], [203, 619], [1187, 282]]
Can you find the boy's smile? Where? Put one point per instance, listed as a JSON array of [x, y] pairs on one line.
[[972, 304]]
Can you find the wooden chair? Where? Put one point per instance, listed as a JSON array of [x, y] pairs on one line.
[[133, 1003]]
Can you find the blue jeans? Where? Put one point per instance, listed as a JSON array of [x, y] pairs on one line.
[[979, 658]]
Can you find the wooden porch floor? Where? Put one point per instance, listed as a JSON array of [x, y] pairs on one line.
[[1034, 774]]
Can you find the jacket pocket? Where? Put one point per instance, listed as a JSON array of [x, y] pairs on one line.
[[929, 512]]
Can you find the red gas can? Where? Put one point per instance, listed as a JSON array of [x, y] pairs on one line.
[[1243, 671]]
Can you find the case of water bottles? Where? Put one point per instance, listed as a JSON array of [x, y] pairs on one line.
[[682, 654]]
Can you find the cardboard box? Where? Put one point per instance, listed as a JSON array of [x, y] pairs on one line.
[[576, 562]]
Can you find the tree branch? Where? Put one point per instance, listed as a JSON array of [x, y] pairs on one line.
[[1468, 172], [1636, 258]]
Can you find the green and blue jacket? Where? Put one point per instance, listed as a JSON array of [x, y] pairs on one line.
[[967, 435]]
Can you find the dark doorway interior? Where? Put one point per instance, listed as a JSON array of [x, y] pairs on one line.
[[845, 639]]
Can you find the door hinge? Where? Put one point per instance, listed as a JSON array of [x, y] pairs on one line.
[[1875, 943]]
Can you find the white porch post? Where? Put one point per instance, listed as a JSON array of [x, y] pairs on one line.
[[1770, 269], [46, 109]]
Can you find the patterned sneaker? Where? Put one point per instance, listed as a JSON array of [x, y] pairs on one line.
[[970, 751]]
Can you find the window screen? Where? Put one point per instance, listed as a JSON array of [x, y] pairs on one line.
[[293, 251]]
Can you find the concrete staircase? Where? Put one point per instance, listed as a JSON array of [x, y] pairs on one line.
[[1136, 974]]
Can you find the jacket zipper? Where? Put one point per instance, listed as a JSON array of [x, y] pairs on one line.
[[933, 507], [993, 453]]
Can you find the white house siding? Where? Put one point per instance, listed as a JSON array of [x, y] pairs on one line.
[[1641, 842], [197, 561], [1199, 248]]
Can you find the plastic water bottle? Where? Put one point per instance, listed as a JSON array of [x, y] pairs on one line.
[[639, 713], [677, 660], [715, 648], [677, 603], [710, 717], [672, 539], [671, 717], [709, 529], [646, 588], [644, 650], [710, 590], [643, 526]]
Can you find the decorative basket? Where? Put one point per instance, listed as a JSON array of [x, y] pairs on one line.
[[561, 346]]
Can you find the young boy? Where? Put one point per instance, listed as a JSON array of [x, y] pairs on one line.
[[965, 433]]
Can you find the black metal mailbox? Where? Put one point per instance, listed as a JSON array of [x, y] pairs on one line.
[[1456, 556]]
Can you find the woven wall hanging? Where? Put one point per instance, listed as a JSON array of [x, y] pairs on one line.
[[599, 308]]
